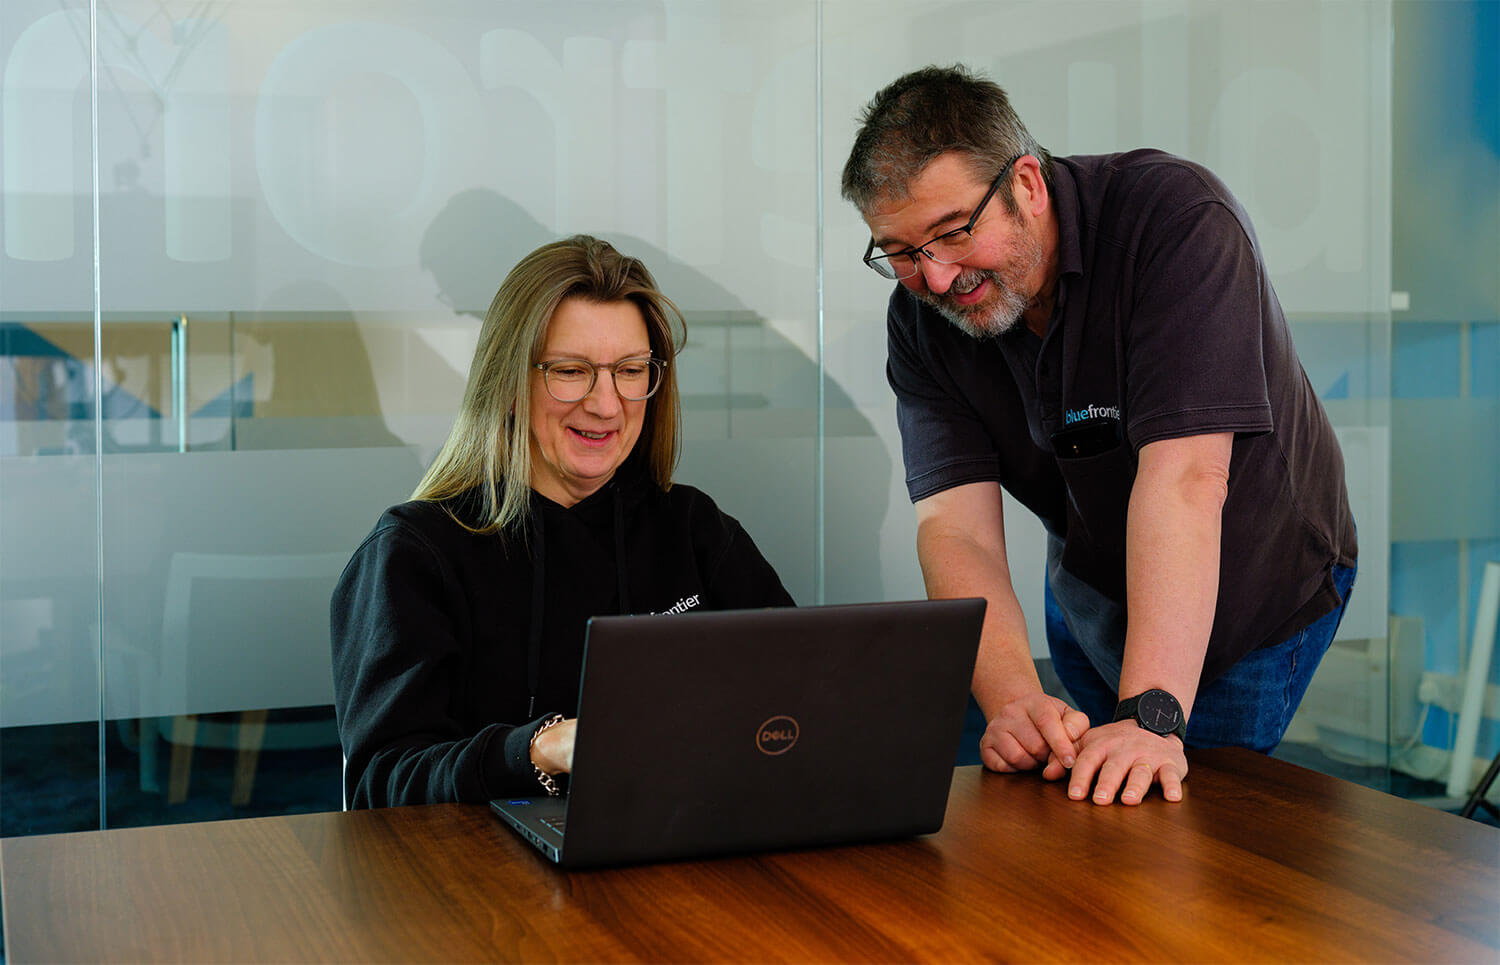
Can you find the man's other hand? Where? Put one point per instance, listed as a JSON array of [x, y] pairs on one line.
[[1033, 731]]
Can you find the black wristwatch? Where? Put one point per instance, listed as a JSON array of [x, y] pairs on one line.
[[1157, 711]]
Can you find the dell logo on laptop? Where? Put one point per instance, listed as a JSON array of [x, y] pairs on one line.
[[776, 736]]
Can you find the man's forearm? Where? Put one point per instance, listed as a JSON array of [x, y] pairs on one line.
[[955, 566], [1172, 563]]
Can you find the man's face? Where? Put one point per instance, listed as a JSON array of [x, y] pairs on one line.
[[988, 290]]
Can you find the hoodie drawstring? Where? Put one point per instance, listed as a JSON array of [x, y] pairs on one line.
[[538, 610], [539, 593], [620, 551]]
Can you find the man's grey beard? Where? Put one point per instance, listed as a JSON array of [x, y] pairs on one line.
[[1009, 303]]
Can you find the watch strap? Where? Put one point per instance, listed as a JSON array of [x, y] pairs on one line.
[[1128, 709]]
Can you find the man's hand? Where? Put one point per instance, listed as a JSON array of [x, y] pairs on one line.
[[1033, 731], [1126, 753]]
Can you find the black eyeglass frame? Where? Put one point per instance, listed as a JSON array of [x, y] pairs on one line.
[[659, 366], [871, 259]]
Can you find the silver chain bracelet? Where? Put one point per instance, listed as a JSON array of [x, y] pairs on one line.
[[542, 777]]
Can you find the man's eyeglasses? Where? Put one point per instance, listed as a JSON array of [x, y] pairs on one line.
[[571, 380], [946, 249]]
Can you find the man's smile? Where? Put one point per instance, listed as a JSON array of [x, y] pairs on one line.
[[966, 288]]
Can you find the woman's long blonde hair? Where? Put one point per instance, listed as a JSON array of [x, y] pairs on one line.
[[490, 445]]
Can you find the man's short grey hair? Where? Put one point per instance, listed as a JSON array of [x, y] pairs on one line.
[[927, 113]]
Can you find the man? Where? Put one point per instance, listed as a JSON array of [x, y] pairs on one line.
[[1098, 335]]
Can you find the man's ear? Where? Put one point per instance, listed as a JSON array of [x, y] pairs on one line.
[[1029, 187]]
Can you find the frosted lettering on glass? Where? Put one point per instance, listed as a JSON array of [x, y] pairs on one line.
[[47, 68], [322, 199], [696, 68], [1328, 103], [197, 130], [46, 86], [578, 94]]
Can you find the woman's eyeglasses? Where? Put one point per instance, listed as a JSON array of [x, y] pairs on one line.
[[571, 380]]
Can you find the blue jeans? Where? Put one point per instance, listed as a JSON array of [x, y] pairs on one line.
[[1249, 706]]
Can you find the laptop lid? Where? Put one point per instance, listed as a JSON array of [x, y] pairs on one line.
[[744, 730]]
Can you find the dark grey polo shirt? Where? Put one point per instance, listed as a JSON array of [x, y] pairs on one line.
[[1165, 326]]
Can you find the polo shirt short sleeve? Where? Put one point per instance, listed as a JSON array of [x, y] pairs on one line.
[[1193, 343]]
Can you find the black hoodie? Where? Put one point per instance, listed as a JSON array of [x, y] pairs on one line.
[[449, 647]]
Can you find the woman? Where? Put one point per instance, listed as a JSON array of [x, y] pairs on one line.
[[458, 625]]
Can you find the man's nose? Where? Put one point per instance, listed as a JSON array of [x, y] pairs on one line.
[[936, 277]]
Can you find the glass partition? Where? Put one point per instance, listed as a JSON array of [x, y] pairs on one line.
[[304, 209], [51, 385], [1445, 389]]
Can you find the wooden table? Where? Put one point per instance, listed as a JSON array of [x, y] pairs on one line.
[[1263, 861]]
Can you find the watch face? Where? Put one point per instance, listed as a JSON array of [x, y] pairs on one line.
[[1159, 711]]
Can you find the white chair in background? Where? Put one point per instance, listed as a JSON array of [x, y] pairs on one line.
[[1476, 678]]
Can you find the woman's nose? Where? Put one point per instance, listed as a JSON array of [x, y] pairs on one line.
[[603, 398]]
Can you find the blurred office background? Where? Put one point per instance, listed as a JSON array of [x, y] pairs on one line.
[[245, 247]]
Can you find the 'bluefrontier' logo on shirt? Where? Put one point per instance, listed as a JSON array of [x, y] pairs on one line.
[[1071, 416]]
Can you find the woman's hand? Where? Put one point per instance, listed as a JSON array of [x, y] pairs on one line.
[[552, 750]]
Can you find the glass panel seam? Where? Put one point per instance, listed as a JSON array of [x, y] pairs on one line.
[[98, 391], [819, 465]]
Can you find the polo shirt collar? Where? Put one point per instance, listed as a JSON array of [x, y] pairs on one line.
[[1065, 204]]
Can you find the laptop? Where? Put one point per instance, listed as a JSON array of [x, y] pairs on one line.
[[732, 731]]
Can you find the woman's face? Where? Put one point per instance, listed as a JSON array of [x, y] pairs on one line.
[[577, 446]]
